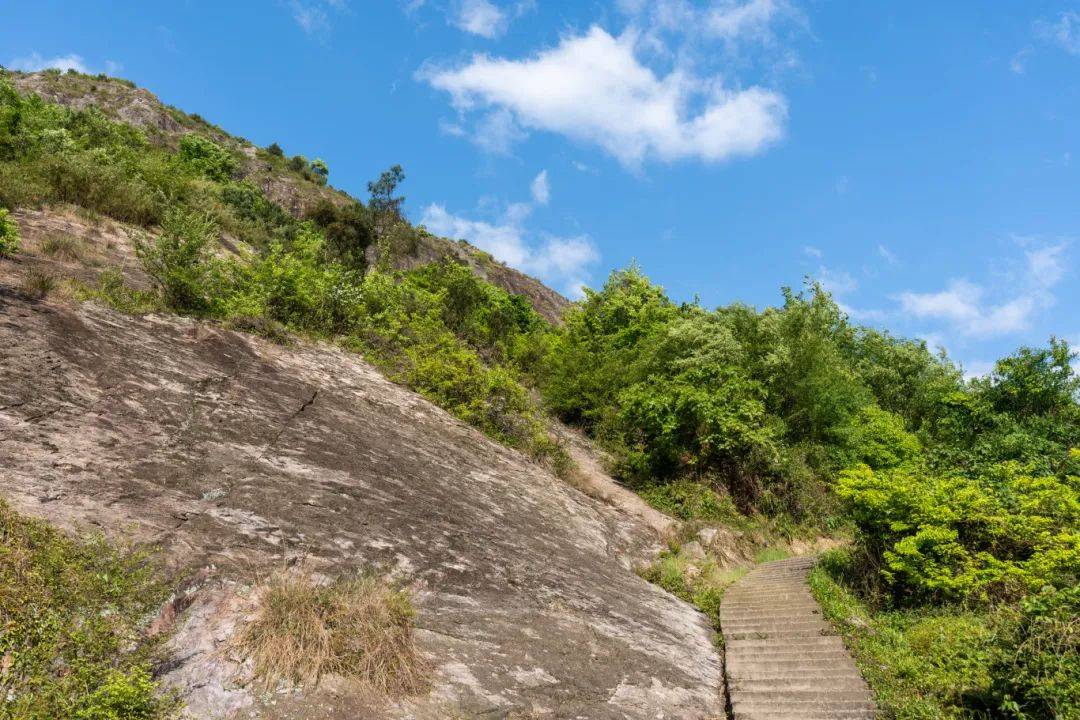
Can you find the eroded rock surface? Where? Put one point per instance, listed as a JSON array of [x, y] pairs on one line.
[[235, 456]]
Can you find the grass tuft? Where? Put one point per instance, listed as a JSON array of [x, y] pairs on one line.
[[37, 283], [358, 628], [62, 247]]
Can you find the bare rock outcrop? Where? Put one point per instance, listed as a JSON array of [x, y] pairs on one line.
[[234, 456]]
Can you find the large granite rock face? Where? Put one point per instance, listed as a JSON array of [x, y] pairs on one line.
[[235, 456]]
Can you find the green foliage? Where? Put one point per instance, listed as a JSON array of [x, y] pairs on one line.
[[1037, 670], [179, 261], [697, 580], [205, 157], [944, 538], [383, 201], [690, 501], [348, 231], [950, 662], [72, 615], [9, 234], [921, 665], [320, 170], [275, 150]]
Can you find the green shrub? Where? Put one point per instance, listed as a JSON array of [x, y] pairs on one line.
[[921, 665], [114, 292], [689, 501], [1037, 671], [179, 261], [955, 538], [9, 234], [205, 157], [73, 617], [347, 229]]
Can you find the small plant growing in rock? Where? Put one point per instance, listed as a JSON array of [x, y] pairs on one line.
[[358, 628], [37, 283]]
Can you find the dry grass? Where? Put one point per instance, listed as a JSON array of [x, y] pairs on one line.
[[36, 283], [62, 247], [358, 628]]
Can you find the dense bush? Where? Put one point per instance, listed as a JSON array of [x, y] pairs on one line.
[[948, 538], [73, 617], [205, 157], [179, 261], [9, 234], [347, 228]]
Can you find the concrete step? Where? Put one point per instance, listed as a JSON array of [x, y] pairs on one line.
[[783, 661]]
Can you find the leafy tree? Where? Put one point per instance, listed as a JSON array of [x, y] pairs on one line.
[[179, 261], [383, 201], [321, 170], [275, 150]]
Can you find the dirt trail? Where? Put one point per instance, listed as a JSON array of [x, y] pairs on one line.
[[593, 480]]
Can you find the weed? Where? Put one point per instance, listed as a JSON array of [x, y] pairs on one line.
[[62, 247], [37, 283]]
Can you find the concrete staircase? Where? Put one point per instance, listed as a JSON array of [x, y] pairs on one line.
[[783, 661]]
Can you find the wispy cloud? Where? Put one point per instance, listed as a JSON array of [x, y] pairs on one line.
[[311, 17], [315, 17], [970, 309], [594, 89], [541, 189], [1063, 31], [886, 254], [35, 62]]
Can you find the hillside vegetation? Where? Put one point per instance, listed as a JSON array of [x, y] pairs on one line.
[[963, 497]]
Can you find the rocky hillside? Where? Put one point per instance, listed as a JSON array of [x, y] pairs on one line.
[[233, 455], [166, 125]]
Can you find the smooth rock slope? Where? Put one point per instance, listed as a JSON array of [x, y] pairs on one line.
[[235, 457], [783, 661]]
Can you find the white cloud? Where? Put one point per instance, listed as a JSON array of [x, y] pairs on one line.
[[497, 132], [310, 17], [837, 282], [966, 307], [887, 254], [812, 251], [35, 62], [730, 20], [1064, 32], [562, 261], [480, 17], [593, 89], [541, 190], [862, 315], [1018, 64]]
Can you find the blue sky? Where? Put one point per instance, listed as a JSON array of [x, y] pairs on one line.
[[920, 159]]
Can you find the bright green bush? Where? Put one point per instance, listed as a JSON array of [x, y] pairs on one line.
[[920, 664], [9, 234], [204, 157], [690, 501], [956, 538]]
